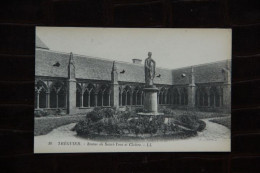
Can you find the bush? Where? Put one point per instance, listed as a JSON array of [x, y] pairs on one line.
[[188, 120], [40, 113], [166, 111], [202, 125], [137, 110], [99, 113]]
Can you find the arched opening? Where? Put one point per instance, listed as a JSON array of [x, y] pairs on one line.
[[176, 97], [40, 95], [104, 96], [126, 96], [184, 96], [169, 97], [86, 97], [53, 99], [137, 96], [78, 96], [89, 96], [62, 98], [120, 97], [58, 95], [215, 98], [202, 97]]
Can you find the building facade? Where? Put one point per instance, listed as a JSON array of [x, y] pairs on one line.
[[76, 84]]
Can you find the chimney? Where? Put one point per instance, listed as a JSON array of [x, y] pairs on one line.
[[137, 61]]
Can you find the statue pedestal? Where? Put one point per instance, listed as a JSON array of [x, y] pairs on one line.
[[150, 102]]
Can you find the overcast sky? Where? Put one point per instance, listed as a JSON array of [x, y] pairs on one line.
[[171, 48]]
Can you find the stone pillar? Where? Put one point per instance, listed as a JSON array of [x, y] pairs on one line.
[[191, 90], [227, 87], [150, 100], [114, 99], [48, 99], [72, 87], [81, 99], [71, 94], [96, 99], [38, 99]]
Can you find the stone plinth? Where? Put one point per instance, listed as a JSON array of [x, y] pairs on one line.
[[150, 99], [150, 102]]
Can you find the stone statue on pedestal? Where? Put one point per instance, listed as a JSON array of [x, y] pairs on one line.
[[149, 68]]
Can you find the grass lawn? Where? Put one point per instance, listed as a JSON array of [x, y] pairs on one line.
[[225, 121], [44, 125]]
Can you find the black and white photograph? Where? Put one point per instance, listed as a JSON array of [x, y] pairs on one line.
[[132, 90]]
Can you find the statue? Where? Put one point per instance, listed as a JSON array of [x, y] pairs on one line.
[[149, 69]]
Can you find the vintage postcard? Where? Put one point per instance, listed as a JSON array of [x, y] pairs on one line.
[[132, 90]]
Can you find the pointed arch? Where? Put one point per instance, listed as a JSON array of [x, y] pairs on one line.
[[104, 96], [215, 97], [126, 96], [41, 90], [137, 94], [89, 96], [58, 95], [78, 96], [202, 97]]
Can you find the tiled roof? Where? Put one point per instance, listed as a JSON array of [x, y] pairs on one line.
[[39, 43], [204, 73], [93, 68]]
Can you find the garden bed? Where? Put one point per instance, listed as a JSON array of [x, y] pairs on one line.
[[109, 123]]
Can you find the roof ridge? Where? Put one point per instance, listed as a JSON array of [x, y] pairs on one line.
[[105, 59], [202, 64]]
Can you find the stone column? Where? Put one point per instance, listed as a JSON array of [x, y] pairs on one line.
[[38, 99], [114, 99], [96, 99], [47, 99], [71, 87], [227, 97], [71, 96], [191, 90], [81, 99], [227, 87]]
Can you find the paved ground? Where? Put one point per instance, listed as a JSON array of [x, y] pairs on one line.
[[213, 137]]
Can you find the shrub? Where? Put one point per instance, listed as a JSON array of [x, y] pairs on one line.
[[58, 111], [202, 125], [40, 113], [99, 113], [137, 110], [188, 120], [166, 111]]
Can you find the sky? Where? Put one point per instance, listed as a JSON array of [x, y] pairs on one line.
[[171, 48]]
